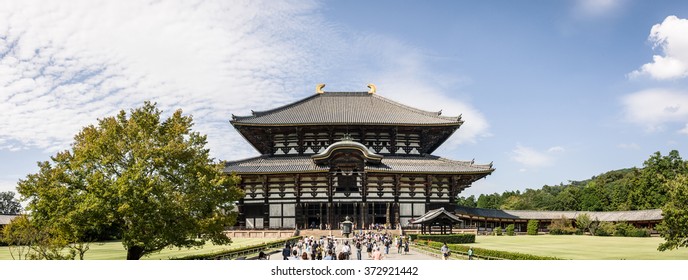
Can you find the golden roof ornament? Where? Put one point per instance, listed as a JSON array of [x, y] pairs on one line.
[[372, 88], [319, 88]]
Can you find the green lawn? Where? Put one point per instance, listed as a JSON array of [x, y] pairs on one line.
[[578, 247], [114, 250]]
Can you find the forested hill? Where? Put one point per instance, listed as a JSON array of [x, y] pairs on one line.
[[617, 190]]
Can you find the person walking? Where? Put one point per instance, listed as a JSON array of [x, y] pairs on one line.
[[346, 250], [358, 250], [286, 252], [470, 253], [445, 251], [387, 244]]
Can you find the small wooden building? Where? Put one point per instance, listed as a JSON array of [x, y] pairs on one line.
[[438, 218]]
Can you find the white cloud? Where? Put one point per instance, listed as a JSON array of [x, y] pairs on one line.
[[530, 157], [63, 65], [654, 108], [671, 37], [402, 73], [556, 149], [628, 146]]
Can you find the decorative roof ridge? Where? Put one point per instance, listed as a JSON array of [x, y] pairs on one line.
[[437, 114], [467, 163], [255, 114], [330, 93]]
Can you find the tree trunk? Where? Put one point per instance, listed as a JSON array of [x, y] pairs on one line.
[[134, 253]]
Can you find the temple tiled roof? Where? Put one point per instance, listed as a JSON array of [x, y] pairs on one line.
[[410, 164], [609, 216], [435, 214], [349, 108]]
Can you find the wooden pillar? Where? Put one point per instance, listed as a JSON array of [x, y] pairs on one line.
[[266, 203], [320, 216], [330, 194], [388, 214], [428, 187], [354, 217], [364, 213]]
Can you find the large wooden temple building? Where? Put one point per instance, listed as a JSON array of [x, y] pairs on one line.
[[356, 154]]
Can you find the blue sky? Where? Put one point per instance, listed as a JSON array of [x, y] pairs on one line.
[[550, 91]]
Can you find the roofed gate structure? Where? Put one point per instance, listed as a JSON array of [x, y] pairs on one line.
[[338, 154], [437, 218]]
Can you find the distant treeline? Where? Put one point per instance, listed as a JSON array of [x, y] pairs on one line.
[[618, 190]]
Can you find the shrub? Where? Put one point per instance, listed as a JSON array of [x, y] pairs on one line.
[[585, 223], [628, 230], [641, 232], [449, 239], [510, 230], [497, 231], [622, 229], [605, 229], [533, 227], [561, 226]]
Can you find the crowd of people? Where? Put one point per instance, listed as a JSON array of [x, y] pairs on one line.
[[376, 245]]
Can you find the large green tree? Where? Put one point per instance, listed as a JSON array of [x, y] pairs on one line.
[[674, 226], [150, 179]]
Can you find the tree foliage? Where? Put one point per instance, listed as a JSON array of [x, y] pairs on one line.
[[149, 179], [561, 226], [585, 223], [467, 201], [674, 226], [618, 190], [510, 230], [532, 227], [8, 204], [27, 241]]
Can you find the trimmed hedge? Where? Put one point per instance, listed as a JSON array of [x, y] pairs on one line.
[[485, 253], [214, 255], [449, 238]]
